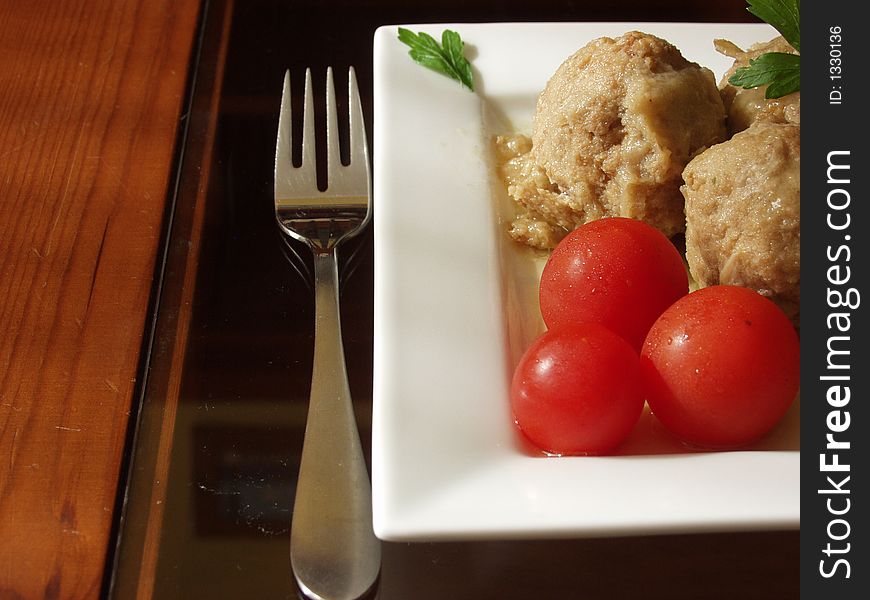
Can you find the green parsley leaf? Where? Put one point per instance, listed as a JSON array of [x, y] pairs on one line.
[[783, 15], [781, 73], [446, 58]]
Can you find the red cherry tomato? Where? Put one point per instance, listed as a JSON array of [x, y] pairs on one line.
[[721, 367], [577, 390], [619, 272]]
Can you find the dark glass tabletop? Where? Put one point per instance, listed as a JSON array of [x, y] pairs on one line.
[[227, 371]]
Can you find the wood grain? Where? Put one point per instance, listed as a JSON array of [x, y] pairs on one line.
[[91, 101]]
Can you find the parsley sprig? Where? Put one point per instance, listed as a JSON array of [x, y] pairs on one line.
[[780, 71], [446, 57]]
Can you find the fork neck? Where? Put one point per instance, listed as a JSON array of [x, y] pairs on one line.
[[326, 301]]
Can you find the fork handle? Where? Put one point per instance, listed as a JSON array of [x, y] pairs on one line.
[[333, 550]]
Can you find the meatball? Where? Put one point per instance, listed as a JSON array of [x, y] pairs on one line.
[[544, 216], [613, 129], [743, 213], [747, 106]]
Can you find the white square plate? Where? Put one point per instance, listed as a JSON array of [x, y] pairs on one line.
[[455, 308]]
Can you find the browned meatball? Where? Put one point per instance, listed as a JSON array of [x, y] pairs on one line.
[[743, 213], [613, 129]]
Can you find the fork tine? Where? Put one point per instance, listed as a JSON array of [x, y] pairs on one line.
[[333, 154], [308, 147], [359, 169], [284, 145], [359, 152]]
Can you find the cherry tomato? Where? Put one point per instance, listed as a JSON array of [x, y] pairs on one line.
[[622, 273], [577, 390], [721, 366]]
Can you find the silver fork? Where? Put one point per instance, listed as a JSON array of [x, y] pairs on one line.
[[333, 550]]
